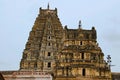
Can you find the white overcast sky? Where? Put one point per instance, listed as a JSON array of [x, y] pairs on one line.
[[17, 19]]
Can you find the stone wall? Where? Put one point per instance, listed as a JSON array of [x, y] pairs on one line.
[[115, 76], [26, 75]]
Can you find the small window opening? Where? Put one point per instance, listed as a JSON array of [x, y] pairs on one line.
[[83, 72], [49, 44], [80, 42], [49, 54], [49, 64], [82, 56], [49, 37]]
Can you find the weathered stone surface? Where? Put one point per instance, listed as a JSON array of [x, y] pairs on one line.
[[26, 75], [44, 42], [115, 76], [71, 54], [66, 54]]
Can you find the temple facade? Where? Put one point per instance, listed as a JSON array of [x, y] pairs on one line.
[[66, 54]]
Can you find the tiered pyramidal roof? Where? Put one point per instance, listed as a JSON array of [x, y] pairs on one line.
[[70, 54]]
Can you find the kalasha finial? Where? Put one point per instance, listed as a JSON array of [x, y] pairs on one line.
[[48, 6], [80, 24]]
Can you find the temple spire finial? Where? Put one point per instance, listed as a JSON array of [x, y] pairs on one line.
[[48, 6], [79, 24]]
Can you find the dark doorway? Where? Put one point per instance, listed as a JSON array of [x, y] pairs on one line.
[[83, 72]]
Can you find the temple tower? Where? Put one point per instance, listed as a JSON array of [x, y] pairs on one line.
[[81, 58], [67, 54], [44, 42]]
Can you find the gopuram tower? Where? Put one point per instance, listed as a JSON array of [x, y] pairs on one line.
[[44, 42], [67, 54]]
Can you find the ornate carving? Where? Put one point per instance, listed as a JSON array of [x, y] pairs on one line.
[[74, 53]]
